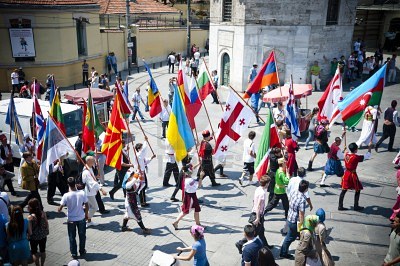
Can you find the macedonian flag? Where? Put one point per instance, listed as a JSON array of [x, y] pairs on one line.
[[112, 144]]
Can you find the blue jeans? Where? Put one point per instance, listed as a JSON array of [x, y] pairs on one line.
[[310, 137], [114, 66], [136, 109], [81, 225], [290, 237]]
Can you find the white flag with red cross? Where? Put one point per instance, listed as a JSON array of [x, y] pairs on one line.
[[234, 122]]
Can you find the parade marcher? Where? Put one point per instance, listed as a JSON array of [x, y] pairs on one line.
[[294, 183], [249, 155], [164, 116], [197, 250], [120, 174], [171, 166], [40, 230], [393, 254], [311, 127], [281, 180], [101, 161], [56, 179], [291, 148], [142, 161], [350, 178], [396, 206], [321, 142], [279, 113], [134, 184], [321, 234], [220, 166], [179, 183], [6, 156], [391, 120], [305, 249], [297, 208], [30, 173], [74, 200], [252, 246], [190, 200], [367, 133], [275, 154], [136, 99], [205, 153], [333, 165]]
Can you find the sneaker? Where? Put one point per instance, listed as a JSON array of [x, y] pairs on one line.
[[358, 208], [215, 184], [342, 209], [223, 175], [83, 252], [91, 224], [174, 200], [241, 181]]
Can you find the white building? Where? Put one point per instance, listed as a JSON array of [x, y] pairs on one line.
[[301, 31]]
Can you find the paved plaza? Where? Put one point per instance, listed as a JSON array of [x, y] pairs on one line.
[[355, 238]]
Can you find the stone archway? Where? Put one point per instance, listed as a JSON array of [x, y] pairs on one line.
[[225, 69]]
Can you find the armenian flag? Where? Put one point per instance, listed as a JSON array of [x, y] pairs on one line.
[[268, 75]]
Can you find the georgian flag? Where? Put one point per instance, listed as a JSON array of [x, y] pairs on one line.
[[234, 122]]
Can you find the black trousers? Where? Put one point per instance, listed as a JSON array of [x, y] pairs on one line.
[[142, 196], [100, 202], [208, 168], [9, 184], [164, 127], [118, 179], [220, 168], [31, 195], [56, 180], [275, 200], [85, 78], [215, 97], [389, 131], [271, 186], [171, 65], [171, 168], [356, 198]]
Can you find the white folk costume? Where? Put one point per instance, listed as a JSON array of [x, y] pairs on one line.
[[367, 132]]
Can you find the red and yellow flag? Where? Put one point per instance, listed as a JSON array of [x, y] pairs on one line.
[[112, 144], [56, 113]]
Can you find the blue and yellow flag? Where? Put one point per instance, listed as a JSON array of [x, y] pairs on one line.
[[179, 134]]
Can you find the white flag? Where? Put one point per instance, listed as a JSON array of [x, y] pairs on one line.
[[234, 122], [329, 100]]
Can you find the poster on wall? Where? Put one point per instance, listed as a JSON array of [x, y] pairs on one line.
[[22, 42]]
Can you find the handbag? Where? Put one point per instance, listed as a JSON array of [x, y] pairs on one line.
[[252, 218]]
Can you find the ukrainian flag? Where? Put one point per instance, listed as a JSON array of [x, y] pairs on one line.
[[179, 134]]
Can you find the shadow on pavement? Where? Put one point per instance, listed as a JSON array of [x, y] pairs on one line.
[[169, 248], [99, 256]]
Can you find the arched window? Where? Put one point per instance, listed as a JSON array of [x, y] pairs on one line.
[[225, 69]]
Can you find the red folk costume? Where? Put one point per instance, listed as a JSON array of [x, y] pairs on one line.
[[350, 178], [291, 148]]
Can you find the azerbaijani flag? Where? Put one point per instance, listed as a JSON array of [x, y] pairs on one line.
[[179, 134], [351, 108], [153, 95], [269, 140], [205, 83], [56, 113], [112, 144], [267, 76]]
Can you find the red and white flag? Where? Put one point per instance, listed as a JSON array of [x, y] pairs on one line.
[[234, 122], [332, 95]]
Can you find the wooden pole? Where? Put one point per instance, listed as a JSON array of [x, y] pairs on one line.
[[133, 146], [141, 128], [246, 103], [212, 84], [277, 72]]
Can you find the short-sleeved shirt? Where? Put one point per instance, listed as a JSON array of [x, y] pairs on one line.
[[250, 251], [293, 186], [248, 147], [171, 58], [280, 181], [315, 70], [14, 78], [200, 258], [259, 196], [196, 55], [394, 248], [297, 204], [74, 201], [137, 98]]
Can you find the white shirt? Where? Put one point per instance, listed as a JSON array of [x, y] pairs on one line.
[[248, 147], [136, 99], [191, 185], [14, 78], [294, 186], [91, 186], [278, 114], [196, 55], [74, 201], [171, 58], [141, 155], [169, 152], [165, 112], [357, 46], [95, 82], [259, 196], [4, 206]]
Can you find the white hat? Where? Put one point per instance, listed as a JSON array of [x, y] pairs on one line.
[[74, 263]]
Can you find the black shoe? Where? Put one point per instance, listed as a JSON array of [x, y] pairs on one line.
[[239, 247], [104, 212], [125, 228], [358, 208], [73, 256], [14, 194], [286, 256], [174, 199], [83, 252], [342, 209], [52, 202], [144, 205], [167, 185], [111, 196], [215, 184], [270, 246], [376, 148], [323, 185]]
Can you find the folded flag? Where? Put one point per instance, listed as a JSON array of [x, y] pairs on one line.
[[331, 97], [205, 83]]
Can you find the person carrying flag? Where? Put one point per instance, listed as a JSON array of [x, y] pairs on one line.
[[205, 154]]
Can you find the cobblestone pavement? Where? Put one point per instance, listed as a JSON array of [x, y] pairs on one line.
[[355, 238]]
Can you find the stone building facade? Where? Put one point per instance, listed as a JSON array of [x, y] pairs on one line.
[[300, 32]]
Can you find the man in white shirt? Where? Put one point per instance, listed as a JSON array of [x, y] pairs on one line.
[[136, 99], [171, 166], [357, 45], [196, 56], [249, 155], [74, 200], [279, 112], [171, 63], [164, 116], [15, 81]]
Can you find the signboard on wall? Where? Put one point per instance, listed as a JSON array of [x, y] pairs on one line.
[[22, 42]]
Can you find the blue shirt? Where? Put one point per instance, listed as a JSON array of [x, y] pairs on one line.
[[200, 258], [250, 251], [253, 73], [255, 98], [3, 235]]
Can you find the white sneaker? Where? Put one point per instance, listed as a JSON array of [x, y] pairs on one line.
[[91, 224]]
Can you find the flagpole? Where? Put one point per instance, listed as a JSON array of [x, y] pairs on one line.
[[212, 84], [11, 116], [205, 108], [246, 103], [277, 71], [133, 146], [76, 153], [141, 128]]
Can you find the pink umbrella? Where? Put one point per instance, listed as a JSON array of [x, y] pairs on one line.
[[98, 95], [282, 94]]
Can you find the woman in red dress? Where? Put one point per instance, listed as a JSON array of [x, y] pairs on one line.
[[291, 149], [350, 178]]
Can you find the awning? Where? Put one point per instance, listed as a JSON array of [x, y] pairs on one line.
[[282, 94], [98, 95]]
